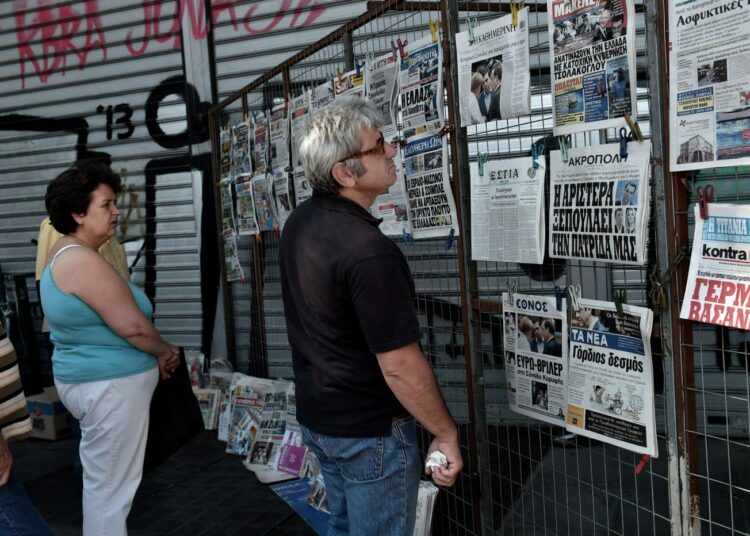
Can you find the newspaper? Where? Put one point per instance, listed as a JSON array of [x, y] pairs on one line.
[[299, 110], [322, 94], [592, 50], [709, 84], [432, 211], [610, 376], [351, 83], [507, 211], [208, 400], [247, 223], [381, 88], [599, 203], [265, 211], [279, 136], [718, 283], [228, 224], [242, 161], [426, 498], [281, 195], [302, 188], [223, 382], [249, 397], [231, 260], [392, 206], [421, 87], [536, 356], [225, 156], [493, 71], [260, 142]]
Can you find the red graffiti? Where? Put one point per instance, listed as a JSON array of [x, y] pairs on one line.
[[47, 35]]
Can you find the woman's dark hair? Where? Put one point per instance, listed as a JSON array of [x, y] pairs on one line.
[[70, 192]]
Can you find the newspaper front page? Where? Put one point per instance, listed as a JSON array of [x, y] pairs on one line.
[[225, 155], [260, 142], [299, 111], [232, 266], [493, 71], [228, 224], [718, 283], [536, 356], [322, 94], [392, 205], [265, 211], [381, 85], [302, 188], [709, 84], [242, 161], [599, 203], [507, 211], [351, 83], [247, 223], [610, 376], [421, 88], [432, 211], [281, 195], [592, 50], [279, 137]]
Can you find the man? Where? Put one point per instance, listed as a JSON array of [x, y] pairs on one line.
[[627, 194], [361, 378], [603, 31], [537, 341], [551, 346], [496, 80], [590, 320], [619, 226], [618, 26], [17, 515], [485, 96]]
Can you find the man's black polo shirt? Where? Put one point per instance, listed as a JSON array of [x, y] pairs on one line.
[[348, 294]]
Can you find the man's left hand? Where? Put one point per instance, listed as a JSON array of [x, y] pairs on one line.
[[6, 461]]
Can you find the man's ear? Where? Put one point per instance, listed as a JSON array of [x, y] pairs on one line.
[[343, 175]]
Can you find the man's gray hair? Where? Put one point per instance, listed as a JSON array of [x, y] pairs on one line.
[[332, 135]]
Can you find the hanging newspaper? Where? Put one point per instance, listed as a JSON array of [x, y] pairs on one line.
[[299, 110], [718, 284], [228, 224], [280, 179], [507, 216], [421, 88], [592, 51], [599, 203], [242, 161], [247, 223], [302, 188], [279, 135], [232, 266], [351, 83], [381, 85], [493, 70], [610, 376], [709, 84], [392, 206], [432, 211], [265, 211], [322, 94], [536, 356], [260, 145], [225, 157]]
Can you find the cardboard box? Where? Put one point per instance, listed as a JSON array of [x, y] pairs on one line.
[[49, 418]]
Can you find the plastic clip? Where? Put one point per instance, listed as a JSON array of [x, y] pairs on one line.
[[447, 127], [618, 297], [370, 59], [394, 50], [472, 22], [401, 46], [481, 161], [515, 7], [408, 238], [434, 29], [449, 240], [575, 297], [512, 289], [339, 76], [641, 464], [564, 143], [625, 138], [398, 140], [559, 293], [358, 67], [705, 196], [537, 151], [255, 117]]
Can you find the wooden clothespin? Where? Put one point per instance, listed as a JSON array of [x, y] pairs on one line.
[[339, 75], [635, 130], [434, 29]]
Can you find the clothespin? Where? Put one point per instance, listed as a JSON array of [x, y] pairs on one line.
[[575, 297], [449, 240], [408, 239], [619, 298], [512, 289], [625, 137], [370, 59], [537, 151], [559, 293], [705, 196], [564, 143], [255, 116], [472, 23], [340, 75], [641, 464], [634, 128], [357, 67], [434, 29], [398, 140], [257, 236], [394, 51], [401, 46], [447, 127], [658, 299], [481, 161], [515, 7]]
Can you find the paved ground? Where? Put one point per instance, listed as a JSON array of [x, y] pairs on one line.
[[200, 491]]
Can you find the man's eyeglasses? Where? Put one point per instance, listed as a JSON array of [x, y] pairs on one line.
[[375, 151]]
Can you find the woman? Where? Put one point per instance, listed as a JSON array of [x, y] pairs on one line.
[[106, 349], [472, 102], [630, 220]]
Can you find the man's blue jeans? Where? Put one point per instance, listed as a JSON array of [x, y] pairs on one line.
[[18, 517], [371, 482]]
